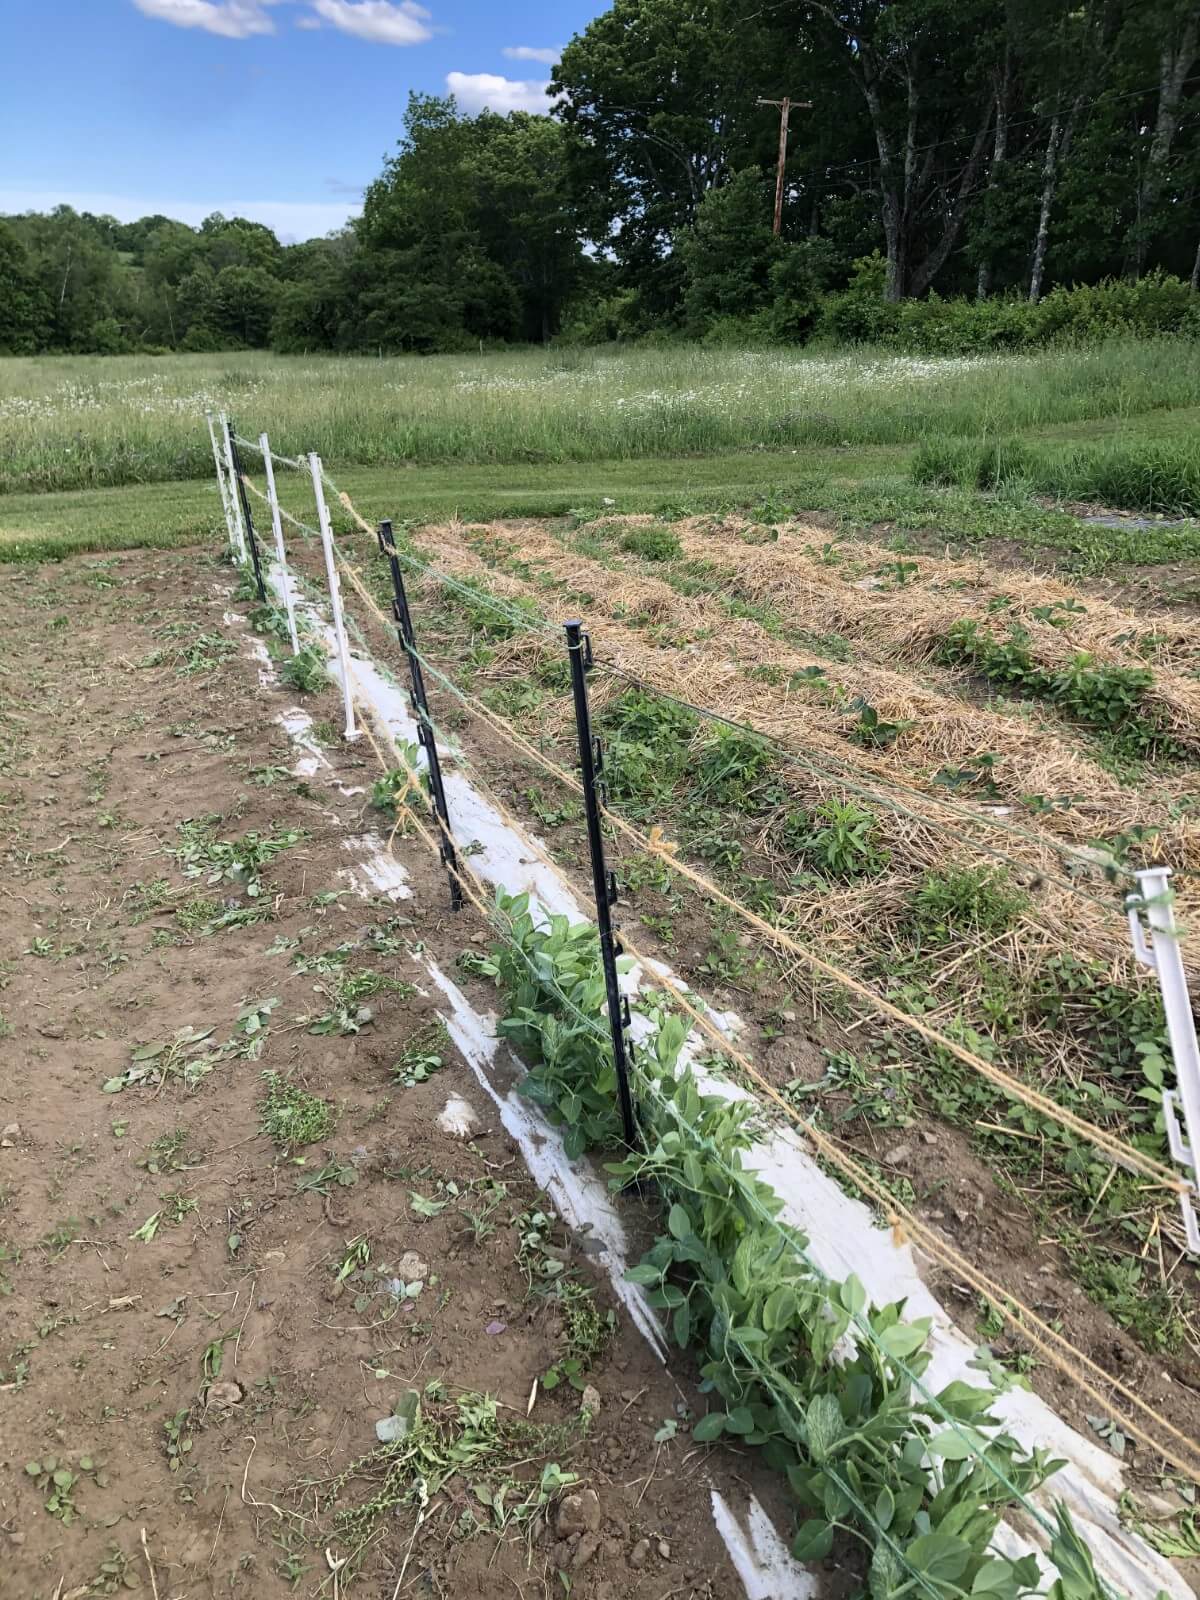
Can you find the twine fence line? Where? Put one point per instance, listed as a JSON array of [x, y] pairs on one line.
[[1019, 1316], [1120, 1151], [1014, 1312]]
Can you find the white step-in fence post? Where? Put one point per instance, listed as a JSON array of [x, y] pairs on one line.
[[264, 444], [1164, 957], [335, 591], [222, 484], [233, 491]]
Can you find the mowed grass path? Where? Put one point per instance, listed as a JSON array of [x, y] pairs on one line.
[[188, 511]]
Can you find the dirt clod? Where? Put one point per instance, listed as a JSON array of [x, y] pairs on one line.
[[220, 1396], [578, 1514]]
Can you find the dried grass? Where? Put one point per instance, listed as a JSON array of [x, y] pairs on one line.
[[708, 668], [909, 621]]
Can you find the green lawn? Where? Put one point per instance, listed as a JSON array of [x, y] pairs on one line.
[[162, 514], [855, 488]]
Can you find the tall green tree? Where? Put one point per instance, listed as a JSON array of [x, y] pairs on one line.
[[24, 308]]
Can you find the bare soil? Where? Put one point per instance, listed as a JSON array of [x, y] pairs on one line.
[[204, 1386]]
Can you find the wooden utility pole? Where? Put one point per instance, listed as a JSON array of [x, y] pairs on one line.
[[786, 107]]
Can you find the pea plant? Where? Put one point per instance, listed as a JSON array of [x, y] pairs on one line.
[[825, 1384]]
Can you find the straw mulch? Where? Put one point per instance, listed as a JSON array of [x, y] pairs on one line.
[[859, 596], [921, 826]]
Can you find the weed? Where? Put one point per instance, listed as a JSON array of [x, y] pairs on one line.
[[647, 748], [391, 792], [346, 1013], [952, 901], [194, 915], [178, 1439], [1105, 697], [212, 1358], [877, 1091], [174, 1208], [10, 1256], [975, 775], [204, 653], [357, 1255], [236, 861], [730, 766], [725, 959], [341, 1173], [655, 543], [871, 730], [168, 1153], [58, 1483], [115, 1574], [267, 775], [145, 899], [422, 1056], [838, 839], [291, 1116], [517, 701], [61, 1236], [305, 672], [549, 814], [432, 1441]]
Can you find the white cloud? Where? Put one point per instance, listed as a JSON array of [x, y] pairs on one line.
[[291, 220], [380, 21], [530, 52], [232, 19], [476, 90]]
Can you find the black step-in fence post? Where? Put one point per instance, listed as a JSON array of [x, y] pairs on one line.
[[604, 882], [425, 734], [244, 500]]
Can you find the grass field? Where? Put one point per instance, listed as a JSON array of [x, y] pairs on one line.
[[89, 422]]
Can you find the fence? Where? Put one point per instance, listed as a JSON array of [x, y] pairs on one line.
[[646, 1099]]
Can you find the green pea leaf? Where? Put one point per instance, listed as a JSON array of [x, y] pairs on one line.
[[939, 1556], [813, 1542], [709, 1427]]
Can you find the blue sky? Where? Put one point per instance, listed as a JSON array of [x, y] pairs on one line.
[[280, 110]]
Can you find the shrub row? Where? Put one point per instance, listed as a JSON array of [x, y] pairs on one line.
[[1156, 304]]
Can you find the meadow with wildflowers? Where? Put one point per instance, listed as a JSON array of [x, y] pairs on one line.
[[87, 422]]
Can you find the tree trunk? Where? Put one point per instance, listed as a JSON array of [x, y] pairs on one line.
[[936, 259], [891, 201], [983, 283], [1175, 63], [1196, 269], [1058, 146]]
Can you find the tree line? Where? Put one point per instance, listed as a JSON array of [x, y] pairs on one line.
[[982, 151]]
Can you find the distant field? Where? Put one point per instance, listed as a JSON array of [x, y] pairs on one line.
[[91, 422]]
